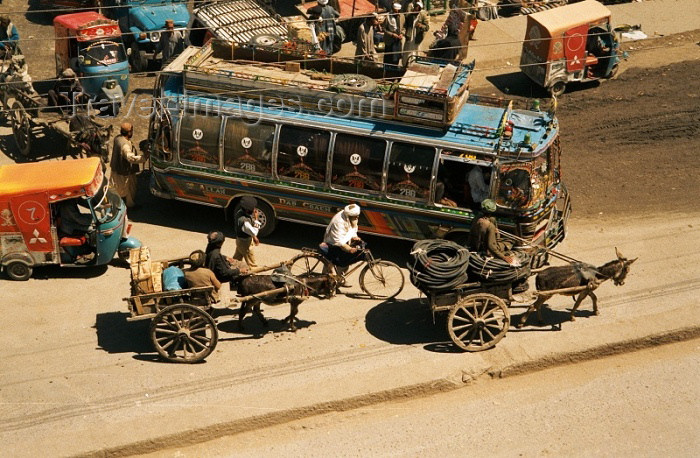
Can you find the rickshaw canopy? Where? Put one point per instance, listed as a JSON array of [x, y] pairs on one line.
[[59, 179], [88, 25], [556, 21]]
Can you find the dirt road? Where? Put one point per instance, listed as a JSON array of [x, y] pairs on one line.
[[618, 406], [73, 367]]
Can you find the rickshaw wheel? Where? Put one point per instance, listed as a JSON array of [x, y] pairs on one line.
[[21, 128], [557, 89], [613, 71], [183, 333], [478, 322], [18, 270]]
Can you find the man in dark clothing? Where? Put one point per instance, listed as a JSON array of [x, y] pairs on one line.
[[218, 263], [66, 91], [484, 236]]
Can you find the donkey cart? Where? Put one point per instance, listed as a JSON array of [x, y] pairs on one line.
[[32, 118], [478, 315], [182, 328]]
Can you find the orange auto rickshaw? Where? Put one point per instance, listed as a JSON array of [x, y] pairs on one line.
[[59, 212], [570, 43]]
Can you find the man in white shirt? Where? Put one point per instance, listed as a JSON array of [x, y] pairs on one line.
[[477, 184], [342, 240]]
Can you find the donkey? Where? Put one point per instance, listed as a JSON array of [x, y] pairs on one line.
[[297, 292], [91, 137], [580, 274]]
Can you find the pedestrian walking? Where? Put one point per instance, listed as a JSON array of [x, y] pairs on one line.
[[247, 227]]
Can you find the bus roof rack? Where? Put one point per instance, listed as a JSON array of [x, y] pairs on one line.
[[429, 92]]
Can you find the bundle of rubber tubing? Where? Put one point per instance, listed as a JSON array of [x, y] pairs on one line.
[[488, 269], [438, 265]]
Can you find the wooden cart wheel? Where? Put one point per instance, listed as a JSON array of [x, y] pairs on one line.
[[309, 264], [21, 128], [183, 333], [381, 279], [478, 321]]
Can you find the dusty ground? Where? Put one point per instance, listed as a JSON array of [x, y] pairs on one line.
[[531, 415], [630, 145]]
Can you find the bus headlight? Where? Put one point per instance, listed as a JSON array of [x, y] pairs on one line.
[[154, 36], [110, 84]]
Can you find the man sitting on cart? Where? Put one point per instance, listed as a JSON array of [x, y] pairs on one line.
[[199, 276], [67, 92], [484, 235], [224, 267], [341, 244]]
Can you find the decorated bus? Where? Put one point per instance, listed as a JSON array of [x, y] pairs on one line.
[[413, 147]]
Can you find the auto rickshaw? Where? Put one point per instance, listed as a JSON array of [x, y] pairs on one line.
[[59, 212], [91, 45], [570, 43]]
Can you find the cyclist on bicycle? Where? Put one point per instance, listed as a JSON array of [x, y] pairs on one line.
[[341, 245]]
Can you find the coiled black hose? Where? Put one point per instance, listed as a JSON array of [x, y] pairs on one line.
[[438, 265], [496, 270]]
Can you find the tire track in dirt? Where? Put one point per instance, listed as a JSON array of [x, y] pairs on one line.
[[259, 374]]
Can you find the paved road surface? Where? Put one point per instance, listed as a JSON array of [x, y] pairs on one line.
[[639, 404]]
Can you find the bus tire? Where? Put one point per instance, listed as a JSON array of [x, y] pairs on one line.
[[266, 217], [266, 39]]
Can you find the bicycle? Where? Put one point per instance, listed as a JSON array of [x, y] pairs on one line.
[[379, 279]]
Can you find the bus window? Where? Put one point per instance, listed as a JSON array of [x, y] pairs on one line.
[[410, 170], [358, 162], [199, 140], [453, 177], [302, 153], [248, 147]]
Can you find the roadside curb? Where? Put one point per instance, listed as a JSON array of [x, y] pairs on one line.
[[442, 385]]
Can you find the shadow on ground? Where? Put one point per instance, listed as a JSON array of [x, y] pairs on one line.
[[411, 323], [202, 219], [116, 335], [518, 84]]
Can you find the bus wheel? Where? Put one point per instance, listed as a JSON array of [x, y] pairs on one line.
[[557, 88]]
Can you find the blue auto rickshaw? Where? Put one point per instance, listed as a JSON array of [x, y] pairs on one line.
[[91, 45]]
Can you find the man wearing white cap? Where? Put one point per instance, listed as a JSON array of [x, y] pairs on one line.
[[342, 240], [394, 26], [365, 39]]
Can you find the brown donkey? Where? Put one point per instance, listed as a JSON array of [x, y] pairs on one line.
[[572, 278]]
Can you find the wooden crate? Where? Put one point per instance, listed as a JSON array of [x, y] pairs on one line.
[[145, 273]]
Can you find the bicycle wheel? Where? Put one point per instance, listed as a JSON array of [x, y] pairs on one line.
[[381, 279], [309, 264]]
